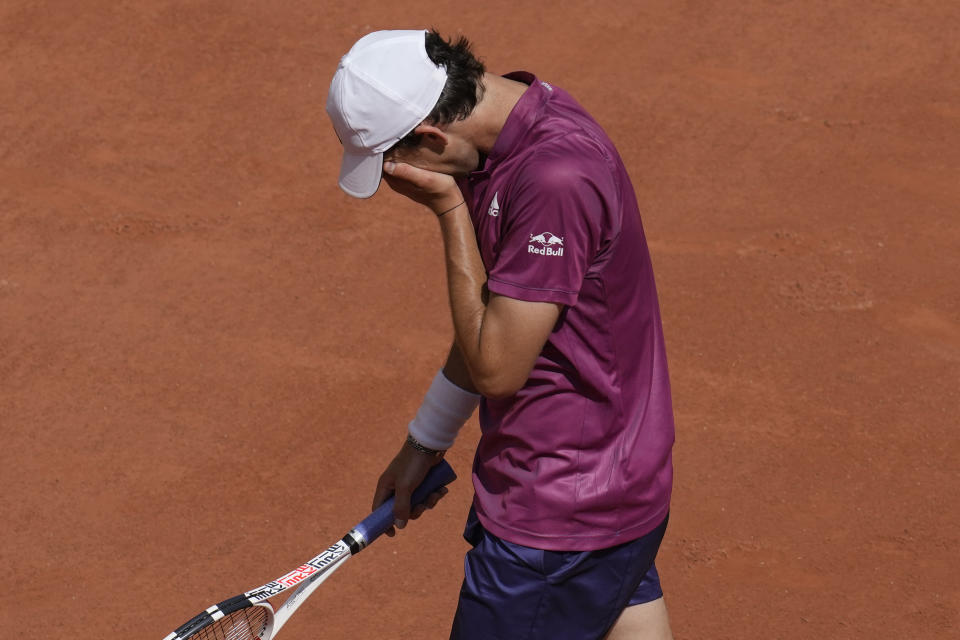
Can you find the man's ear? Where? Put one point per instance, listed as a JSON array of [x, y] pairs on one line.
[[434, 138]]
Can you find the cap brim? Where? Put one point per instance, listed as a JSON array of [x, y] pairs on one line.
[[360, 173]]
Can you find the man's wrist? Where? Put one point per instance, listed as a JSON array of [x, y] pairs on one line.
[[447, 201], [444, 410], [451, 209], [419, 446]]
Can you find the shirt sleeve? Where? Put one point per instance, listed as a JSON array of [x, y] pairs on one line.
[[554, 221]]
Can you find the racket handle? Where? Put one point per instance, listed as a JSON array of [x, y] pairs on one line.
[[381, 519]]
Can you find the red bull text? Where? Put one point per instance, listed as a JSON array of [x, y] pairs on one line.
[[545, 251]]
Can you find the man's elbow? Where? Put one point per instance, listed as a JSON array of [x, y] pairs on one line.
[[498, 386]]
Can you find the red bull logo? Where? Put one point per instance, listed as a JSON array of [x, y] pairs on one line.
[[550, 244]]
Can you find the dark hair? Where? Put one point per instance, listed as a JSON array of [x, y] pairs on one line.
[[464, 86]]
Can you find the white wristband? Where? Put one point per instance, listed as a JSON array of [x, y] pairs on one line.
[[445, 409]]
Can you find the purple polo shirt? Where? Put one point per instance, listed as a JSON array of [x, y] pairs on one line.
[[579, 458]]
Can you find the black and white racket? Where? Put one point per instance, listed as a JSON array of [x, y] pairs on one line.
[[249, 616]]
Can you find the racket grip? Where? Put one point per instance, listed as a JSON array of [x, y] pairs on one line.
[[373, 526]]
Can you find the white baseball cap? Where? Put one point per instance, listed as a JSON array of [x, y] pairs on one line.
[[383, 88]]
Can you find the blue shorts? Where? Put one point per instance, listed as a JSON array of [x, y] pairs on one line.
[[512, 592]]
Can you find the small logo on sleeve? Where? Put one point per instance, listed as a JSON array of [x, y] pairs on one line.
[[494, 209], [549, 244]]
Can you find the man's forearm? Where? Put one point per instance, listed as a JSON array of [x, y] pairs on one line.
[[499, 337], [455, 368], [466, 280]]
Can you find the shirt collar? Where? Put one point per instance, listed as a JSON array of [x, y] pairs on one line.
[[520, 121]]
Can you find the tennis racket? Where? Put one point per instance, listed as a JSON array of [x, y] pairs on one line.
[[249, 616]]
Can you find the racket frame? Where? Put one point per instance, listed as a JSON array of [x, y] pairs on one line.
[[310, 575]]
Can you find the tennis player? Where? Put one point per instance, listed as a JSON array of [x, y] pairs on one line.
[[557, 336]]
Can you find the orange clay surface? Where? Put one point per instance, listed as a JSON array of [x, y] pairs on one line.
[[208, 353]]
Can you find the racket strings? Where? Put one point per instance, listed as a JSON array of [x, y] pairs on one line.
[[246, 624]]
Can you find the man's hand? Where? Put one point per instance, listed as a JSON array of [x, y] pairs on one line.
[[404, 474], [437, 191]]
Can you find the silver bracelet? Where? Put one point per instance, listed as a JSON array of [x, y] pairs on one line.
[[436, 453]]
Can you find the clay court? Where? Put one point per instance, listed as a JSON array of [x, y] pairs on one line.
[[208, 352]]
